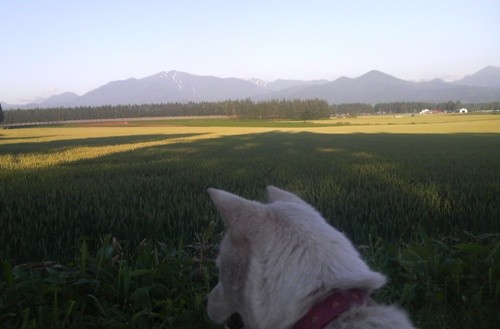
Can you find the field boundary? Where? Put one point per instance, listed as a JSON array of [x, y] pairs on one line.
[[111, 120]]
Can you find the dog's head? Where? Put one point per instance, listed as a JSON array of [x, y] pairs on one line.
[[277, 258]]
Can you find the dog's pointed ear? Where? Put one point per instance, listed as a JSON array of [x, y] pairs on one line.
[[276, 194], [239, 214]]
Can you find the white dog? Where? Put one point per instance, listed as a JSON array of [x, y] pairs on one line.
[[282, 266]]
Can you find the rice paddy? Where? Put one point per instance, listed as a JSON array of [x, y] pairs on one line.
[[381, 175]]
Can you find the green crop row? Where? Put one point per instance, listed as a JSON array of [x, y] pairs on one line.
[[366, 185]]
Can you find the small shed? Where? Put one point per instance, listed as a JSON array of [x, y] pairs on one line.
[[462, 111]]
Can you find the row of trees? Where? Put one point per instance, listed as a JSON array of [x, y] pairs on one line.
[[415, 107], [410, 107], [279, 109], [244, 109], [113, 112], [494, 106]]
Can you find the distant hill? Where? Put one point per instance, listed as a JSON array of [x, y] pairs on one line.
[[169, 87], [285, 84], [65, 99], [487, 77], [376, 87], [372, 87]]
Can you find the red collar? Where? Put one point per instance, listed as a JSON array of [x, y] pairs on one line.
[[330, 308]]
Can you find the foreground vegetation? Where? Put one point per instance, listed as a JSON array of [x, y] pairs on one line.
[[423, 207], [442, 283]]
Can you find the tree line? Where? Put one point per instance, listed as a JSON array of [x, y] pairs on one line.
[[243, 109], [111, 112], [409, 107], [278, 109]]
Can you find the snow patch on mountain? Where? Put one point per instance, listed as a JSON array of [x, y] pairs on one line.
[[178, 82], [173, 76], [259, 82]]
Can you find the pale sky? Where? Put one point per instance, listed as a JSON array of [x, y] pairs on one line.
[[50, 47]]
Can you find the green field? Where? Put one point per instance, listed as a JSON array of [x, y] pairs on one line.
[[383, 181]]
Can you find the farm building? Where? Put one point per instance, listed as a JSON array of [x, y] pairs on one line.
[[462, 111]]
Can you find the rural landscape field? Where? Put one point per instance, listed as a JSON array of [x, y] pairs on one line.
[[108, 224]]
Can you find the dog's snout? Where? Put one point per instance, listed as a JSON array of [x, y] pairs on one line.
[[234, 322]]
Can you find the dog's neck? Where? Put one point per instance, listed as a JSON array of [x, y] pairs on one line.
[[330, 308]]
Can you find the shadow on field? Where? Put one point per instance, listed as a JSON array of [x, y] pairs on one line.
[[58, 145], [367, 185], [5, 138]]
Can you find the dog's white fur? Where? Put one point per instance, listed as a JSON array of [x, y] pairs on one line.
[[278, 259]]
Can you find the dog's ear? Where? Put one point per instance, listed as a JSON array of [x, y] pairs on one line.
[[241, 215], [276, 194]]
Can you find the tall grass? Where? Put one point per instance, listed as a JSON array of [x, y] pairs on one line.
[[367, 185], [119, 286]]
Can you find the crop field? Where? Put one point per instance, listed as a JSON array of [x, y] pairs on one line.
[[398, 181]]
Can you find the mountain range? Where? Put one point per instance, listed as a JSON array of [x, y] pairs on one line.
[[372, 87]]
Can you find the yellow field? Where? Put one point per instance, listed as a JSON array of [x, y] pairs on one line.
[[428, 124], [419, 124], [435, 124]]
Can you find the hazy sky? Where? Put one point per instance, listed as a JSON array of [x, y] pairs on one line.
[[50, 47]]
